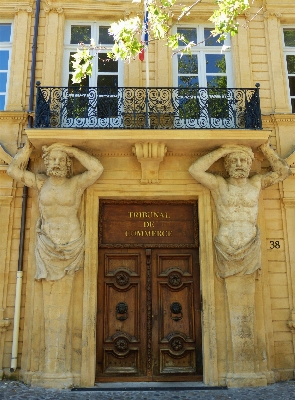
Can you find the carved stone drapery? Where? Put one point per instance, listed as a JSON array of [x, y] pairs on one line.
[[150, 155]]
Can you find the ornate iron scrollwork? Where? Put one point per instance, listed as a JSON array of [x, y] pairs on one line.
[[176, 308], [121, 311], [147, 108]]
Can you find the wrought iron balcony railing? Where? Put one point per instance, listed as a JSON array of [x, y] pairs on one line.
[[147, 108]]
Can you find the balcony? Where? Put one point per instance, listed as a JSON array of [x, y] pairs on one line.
[[147, 108]]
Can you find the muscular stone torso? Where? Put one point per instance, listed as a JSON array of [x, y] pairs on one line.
[[237, 209], [59, 205]]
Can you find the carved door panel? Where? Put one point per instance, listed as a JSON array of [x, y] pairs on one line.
[[176, 314], [121, 319], [149, 315]]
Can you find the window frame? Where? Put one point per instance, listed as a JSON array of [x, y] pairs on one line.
[[202, 50], [7, 46], [69, 48], [197, 102], [90, 106], [288, 50]]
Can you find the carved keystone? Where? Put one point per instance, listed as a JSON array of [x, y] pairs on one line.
[[149, 155]]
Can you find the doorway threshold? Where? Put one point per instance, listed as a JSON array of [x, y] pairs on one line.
[[148, 386]]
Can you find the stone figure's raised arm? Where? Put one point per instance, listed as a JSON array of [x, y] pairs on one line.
[[280, 169], [198, 168], [92, 164], [17, 167]]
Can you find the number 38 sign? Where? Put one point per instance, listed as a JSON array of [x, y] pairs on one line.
[[274, 244]]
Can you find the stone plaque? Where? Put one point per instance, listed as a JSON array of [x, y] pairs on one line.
[[148, 224]]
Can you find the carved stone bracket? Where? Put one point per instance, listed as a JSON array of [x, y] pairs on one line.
[[4, 324], [150, 155], [49, 7]]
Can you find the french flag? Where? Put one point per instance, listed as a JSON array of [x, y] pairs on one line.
[[144, 35]]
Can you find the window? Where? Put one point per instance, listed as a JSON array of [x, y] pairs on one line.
[[289, 45], [207, 66], [203, 78], [95, 99], [5, 49]]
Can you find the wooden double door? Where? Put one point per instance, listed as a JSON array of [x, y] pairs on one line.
[[149, 315]]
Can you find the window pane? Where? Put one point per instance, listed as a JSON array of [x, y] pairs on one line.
[[292, 103], [5, 32], [217, 81], [292, 85], [210, 40], [107, 80], [80, 34], [104, 37], [289, 37], [291, 64], [190, 34], [188, 81], [2, 102], [4, 57], [188, 64], [3, 80], [106, 64], [215, 63]]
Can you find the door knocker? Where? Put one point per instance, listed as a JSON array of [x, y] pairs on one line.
[[122, 311], [176, 308]]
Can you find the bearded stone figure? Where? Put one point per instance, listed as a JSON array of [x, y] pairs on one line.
[[237, 245], [60, 243], [59, 248]]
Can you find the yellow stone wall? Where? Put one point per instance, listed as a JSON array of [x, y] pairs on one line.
[[257, 55]]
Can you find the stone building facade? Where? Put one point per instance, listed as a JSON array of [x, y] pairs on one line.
[[147, 304]]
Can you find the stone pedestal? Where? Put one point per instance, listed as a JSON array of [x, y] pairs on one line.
[[57, 367], [240, 292]]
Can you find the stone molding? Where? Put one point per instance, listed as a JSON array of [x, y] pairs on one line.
[[269, 14], [25, 9], [13, 7], [150, 155], [14, 115]]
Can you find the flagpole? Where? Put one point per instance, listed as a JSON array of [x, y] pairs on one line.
[[147, 67]]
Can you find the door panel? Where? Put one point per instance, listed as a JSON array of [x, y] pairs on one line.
[[176, 313], [121, 337], [149, 316]]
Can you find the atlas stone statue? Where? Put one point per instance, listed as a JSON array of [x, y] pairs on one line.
[[60, 242], [237, 245], [59, 247]]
